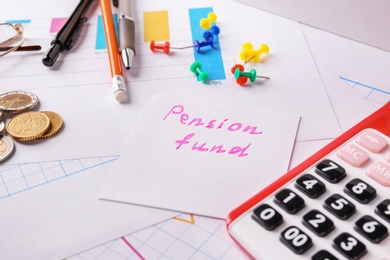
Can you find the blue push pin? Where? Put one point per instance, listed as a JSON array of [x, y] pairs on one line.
[[206, 42], [196, 68], [214, 30]]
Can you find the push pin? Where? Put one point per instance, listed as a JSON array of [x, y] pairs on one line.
[[263, 49], [165, 47], [241, 80], [206, 42], [205, 23], [251, 75], [248, 51], [214, 30], [196, 68]]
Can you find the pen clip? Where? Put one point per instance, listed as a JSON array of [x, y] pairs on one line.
[[75, 35]]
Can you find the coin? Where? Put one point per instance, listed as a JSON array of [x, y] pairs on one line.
[[56, 124], [6, 147], [17, 101], [28, 126]]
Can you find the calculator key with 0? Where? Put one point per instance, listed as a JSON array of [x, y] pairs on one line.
[[334, 205]]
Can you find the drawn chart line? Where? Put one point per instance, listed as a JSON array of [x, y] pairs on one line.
[[6, 191], [364, 85], [132, 248]]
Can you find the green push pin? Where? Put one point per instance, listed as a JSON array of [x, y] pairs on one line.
[[251, 75], [196, 68]]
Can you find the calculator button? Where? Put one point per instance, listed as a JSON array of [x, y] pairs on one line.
[[383, 210], [360, 191], [339, 206], [289, 201], [330, 170], [388, 157], [349, 246], [323, 255], [296, 240], [353, 155], [318, 223], [371, 229], [267, 217], [310, 185], [372, 141], [380, 172]]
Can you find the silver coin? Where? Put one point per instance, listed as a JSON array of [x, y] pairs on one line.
[[17, 101], [6, 147]]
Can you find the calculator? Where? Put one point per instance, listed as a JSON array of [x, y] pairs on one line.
[[334, 205]]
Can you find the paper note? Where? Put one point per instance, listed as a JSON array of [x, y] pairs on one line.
[[202, 158]]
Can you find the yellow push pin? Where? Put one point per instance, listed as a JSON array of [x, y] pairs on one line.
[[263, 49], [205, 23]]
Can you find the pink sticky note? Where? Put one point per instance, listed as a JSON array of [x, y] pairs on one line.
[[56, 24]]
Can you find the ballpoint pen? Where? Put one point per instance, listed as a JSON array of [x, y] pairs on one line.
[[126, 28], [118, 84], [69, 33]]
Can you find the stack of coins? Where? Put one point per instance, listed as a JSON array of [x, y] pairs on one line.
[[26, 125]]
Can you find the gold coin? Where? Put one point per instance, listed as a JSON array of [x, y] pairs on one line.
[[56, 124], [28, 126]]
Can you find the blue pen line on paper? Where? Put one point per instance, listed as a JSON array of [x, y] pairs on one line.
[[366, 86]]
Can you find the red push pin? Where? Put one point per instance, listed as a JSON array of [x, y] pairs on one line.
[[241, 80], [158, 46]]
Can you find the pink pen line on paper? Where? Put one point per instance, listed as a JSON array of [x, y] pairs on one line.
[[132, 248]]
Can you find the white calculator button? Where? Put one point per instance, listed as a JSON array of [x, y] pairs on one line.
[[388, 157], [353, 155], [339, 206], [360, 191], [330, 171], [383, 210], [371, 229], [380, 172], [349, 246], [296, 240], [372, 141], [323, 255], [267, 217]]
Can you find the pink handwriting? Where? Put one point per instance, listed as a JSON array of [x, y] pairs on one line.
[[186, 119], [240, 151]]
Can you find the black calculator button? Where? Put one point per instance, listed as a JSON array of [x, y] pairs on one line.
[[383, 210], [360, 191], [323, 255], [318, 223], [371, 229], [330, 171], [267, 217], [310, 185], [339, 206], [289, 201], [349, 246], [296, 240]]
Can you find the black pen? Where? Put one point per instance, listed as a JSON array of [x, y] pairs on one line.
[[69, 33]]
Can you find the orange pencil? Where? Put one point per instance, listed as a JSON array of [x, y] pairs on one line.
[[118, 83]]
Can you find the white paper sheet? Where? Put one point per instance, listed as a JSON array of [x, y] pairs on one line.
[[78, 87], [61, 216], [190, 156]]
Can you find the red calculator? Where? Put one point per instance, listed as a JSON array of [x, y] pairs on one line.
[[334, 205]]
